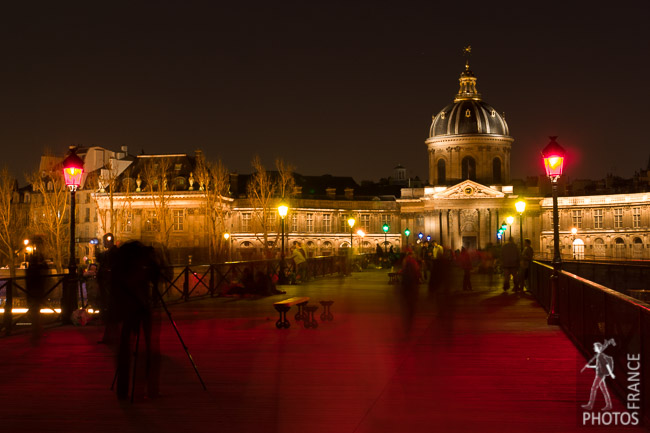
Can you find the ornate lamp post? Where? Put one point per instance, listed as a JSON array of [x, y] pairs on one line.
[[282, 210], [521, 207], [351, 222], [407, 233], [73, 168], [510, 220], [553, 155], [385, 228]]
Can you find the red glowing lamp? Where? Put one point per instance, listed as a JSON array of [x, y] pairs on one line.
[[73, 169], [553, 155]]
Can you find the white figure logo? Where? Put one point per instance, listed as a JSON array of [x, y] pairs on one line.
[[603, 366]]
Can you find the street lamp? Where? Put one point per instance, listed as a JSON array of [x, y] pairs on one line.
[[226, 236], [26, 243], [282, 210], [351, 222], [521, 207], [385, 228], [407, 233], [73, 168], [428, 238], [510, 220], [553, 155], [361, 234]]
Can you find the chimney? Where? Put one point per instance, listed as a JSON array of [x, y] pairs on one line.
[[331, 192], [349, 193]]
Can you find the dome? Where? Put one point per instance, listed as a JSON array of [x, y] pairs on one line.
[[468, 114]]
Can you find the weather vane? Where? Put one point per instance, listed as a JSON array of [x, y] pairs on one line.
[[467, 51]]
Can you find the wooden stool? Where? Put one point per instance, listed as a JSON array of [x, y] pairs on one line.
[[327, 314], [283, 307], [308, 318]]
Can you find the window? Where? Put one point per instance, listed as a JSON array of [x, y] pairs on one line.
[[128, 220], [177, 167], [636, 217], [87, 215], [576, 218], [496, 170], [271, 221], [309, 220], [246, 222], [294, 222], [177, 220], [619, 248], [344, 224], [327, 223], [151, 223], [598, 218], [364, 222], [469, 168], [385, 219], [599, 247], [442, 174], [618, 218]]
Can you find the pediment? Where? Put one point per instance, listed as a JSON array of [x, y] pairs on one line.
[[468, 189]]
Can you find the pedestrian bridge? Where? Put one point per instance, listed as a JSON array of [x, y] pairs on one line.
[[472, 361]]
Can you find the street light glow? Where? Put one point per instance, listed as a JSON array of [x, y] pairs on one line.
[[351, 222], [520, 206], [510, 220]]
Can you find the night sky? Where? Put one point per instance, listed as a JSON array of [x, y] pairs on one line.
[[341, 88]]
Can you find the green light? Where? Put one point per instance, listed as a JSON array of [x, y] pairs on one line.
[[407, 232], [504, 226], [385, 228]]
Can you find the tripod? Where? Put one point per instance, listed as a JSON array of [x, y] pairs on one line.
[[137, 343]]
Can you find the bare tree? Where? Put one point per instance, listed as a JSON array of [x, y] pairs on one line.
[[156, 172], [115, 214], [214, 183], [13, 220], [263, 193], [50, 210]]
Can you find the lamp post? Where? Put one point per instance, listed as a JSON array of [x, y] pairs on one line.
[[73, 168], [351, 222], [521, 207], [385, 228], [553, 155], [407, 233], [226, 236], [361, 234], [282, 210], [574, 232], [26, 243], [510, 220]]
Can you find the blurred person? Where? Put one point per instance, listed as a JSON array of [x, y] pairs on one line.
[[465, 262], [300, 262], [409, 287], [510, 263], [136, 273], [107, 300], [35, 287], [526, 261]]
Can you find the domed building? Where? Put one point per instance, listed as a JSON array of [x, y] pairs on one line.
[[469, 140], [469, 195]]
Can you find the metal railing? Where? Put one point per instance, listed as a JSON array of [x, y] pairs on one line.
[[590, 312], [179, 283]]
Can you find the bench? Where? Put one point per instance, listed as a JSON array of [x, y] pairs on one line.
[[283, 307], [308, 317]]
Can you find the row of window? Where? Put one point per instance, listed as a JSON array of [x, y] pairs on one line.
[[597, 214], [327, 223], [468, 170]]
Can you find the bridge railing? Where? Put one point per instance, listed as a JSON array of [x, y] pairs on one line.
[[179, 284], [590, 312]]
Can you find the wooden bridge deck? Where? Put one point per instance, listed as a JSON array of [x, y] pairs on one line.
[[473, 361]]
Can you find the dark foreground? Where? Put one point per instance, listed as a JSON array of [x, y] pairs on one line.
[[473, 361]]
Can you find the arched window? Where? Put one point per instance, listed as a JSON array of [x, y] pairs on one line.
[[599, 247], [442, 175], [496, 170], [578, 249], [469, 168], [637, 248], [619, 248]]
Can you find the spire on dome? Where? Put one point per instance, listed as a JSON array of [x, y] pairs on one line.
[[467, 80]]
